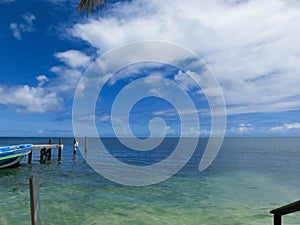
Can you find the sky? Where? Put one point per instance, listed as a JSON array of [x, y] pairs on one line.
[[252, 48]]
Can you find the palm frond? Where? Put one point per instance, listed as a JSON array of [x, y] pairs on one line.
[[90, 5]]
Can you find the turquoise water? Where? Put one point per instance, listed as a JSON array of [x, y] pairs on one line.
[[250, 177]]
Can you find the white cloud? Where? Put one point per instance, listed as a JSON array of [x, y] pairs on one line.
[[42, 79], [184, 80], [245, 128], [285, 127], [135, 70], [155, 92], [69, 74], [73, 58], [25, 27], [253, 46], [29, 20], [105, 118], [16, 31], [242, 129], [67, 79], [168, 112], [31, 99]]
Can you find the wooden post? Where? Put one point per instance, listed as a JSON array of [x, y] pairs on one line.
[[286, 209], [42, 153], [277, 219], [74, 147], [85, 144], [29, 157], [49, 150], [59, 149], [34, 188]]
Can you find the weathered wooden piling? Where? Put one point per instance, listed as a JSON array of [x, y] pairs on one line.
[[59, 148], [75, 144], [34, 188], [42, 153], [49, 150], [85, 144], [30, 157]]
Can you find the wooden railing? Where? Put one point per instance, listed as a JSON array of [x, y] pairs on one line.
[[287, 209]]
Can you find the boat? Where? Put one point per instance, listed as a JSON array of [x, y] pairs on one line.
[[12, 155]]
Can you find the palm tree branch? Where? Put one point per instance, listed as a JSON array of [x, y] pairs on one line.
[[90, 5]]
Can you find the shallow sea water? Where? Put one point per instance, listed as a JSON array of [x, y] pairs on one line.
[[249, 177]]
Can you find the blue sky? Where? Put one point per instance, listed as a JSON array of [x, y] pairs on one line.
[[252, 48]]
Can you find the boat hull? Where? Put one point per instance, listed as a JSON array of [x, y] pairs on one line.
[[12, 155], [5, 163]]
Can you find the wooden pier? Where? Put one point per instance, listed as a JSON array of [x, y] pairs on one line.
[[284, 210], [46, 150]]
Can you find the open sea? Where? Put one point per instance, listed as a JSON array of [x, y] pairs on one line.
[[249, 177]]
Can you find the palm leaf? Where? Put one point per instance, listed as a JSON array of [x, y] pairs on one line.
[[90, 5]]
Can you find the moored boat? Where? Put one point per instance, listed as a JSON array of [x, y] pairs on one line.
[[12, 155]]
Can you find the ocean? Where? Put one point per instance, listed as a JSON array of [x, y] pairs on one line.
[[249, 177]]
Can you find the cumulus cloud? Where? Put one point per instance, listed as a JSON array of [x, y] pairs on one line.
[[31, 99], [42, 79], [24, 27], [75, 63], [184, 80], [73, 58], [285, 127], [252, 46], [67, 78], [241, 129], [245, 128], [48, 95]]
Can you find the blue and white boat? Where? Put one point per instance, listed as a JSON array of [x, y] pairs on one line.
[[12, 155]]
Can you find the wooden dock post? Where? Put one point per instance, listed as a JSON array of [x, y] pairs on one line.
[[85, 144], [286, 209], [34, 188], [46, 150], [75, 144], [42, 154], [59, 149], [277, 219], [49, 150], [30, 157]]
